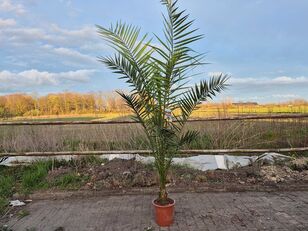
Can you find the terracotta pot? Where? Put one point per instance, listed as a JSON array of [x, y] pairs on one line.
[[164, 213]]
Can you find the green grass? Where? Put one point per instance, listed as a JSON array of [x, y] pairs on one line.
[[69, 181], [3, 205], [6, 189], [27, 179], [34, 176], [6, 186]]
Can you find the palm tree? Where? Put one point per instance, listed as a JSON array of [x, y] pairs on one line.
[[158, 75]]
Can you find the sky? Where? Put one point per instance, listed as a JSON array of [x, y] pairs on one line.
[[49, 46]]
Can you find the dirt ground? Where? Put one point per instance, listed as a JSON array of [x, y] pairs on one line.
[[129, 177], [119, 174]]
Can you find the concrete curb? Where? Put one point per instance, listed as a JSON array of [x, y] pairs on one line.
[[58, 195]]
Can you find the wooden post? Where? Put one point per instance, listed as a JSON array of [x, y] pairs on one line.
[[148, 152], [36, 123]]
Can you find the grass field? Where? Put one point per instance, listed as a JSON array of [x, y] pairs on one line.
[[79, 117], [204, 111], [209, 110], [278, 133], [269, 133]]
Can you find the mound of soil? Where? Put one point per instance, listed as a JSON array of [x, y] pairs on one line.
[[295, 171], [120, 173], [125, 174]]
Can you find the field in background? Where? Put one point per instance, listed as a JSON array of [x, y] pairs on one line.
[[269, 133], [71, 117], [225, 110], [93, 106], [278, 133], [204, 111]]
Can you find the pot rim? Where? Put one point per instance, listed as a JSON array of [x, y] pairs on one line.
[[163, 206]]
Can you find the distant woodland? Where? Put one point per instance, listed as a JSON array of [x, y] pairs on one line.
[[70, 103], [59, 104]]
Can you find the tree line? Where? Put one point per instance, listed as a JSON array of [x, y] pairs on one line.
[[59, 104], [70, 103]]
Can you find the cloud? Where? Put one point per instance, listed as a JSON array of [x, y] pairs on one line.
[[286, 96], [10, 81], [9, 6], [60, 47], [83, 32], [282, 80], [70, 55], [23, 36], [290, 80], [84, 38], [266, 89], [72, 10], [214, 73], [7, 22]]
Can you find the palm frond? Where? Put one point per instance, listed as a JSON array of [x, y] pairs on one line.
[[188, 137], [119, 65], [201, 92], [158, 77], [133, 54]]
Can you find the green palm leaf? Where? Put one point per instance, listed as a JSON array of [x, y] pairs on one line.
[[158, 76]]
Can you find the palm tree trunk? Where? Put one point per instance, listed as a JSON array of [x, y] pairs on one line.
[[163, 195]]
